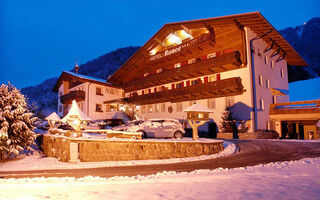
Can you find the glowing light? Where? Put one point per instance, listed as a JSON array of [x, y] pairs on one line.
[[184, 34], [153, 52], [173, 39], [122, 108]]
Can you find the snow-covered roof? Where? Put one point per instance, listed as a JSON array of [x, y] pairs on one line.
[[66, 74], [75, 110], [197, 108], [86, 77], [53, 116]]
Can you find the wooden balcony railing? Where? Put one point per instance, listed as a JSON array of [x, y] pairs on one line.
[[297, 107], [217, 64], [77, 95], [221, 88]]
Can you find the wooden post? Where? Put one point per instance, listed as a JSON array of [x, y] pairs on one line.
[[194, 125]]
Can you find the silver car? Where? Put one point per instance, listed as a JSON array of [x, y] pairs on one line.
[[124, 127], [160, 128]]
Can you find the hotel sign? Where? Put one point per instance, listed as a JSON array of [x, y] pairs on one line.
[[169, 52]]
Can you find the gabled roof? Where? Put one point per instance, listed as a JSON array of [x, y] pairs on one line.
[[67, 75], [254, 20]]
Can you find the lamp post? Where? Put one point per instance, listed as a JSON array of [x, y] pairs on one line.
[[54, 122]]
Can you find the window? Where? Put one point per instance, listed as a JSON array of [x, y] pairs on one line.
[[159, 70], [266, 60], [211, 55], [267, 83], [163, 107], [149, 108], [193, 60], [211, 103], [272, 64], [179, 107], [111, 108], [177, 65], [98, 91], [260, 80], [145, 74], [229, 101], [194, 82], [143, 109], [282, 73], [98, 108], [213, 78], [261, 104], [156, 107], [274, 99], [179, 85]]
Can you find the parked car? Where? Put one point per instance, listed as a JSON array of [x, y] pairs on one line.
[[160, 128], [124, 127]]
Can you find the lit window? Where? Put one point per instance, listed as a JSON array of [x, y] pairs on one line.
[[229, 101], [213, 78], [156, 107], [211, 55], [145, 74], [272, 64], [282, 73], [163, 107], [143, 109], [159, 70], [177, 65], [211, 103], [150, 108], [260, 80], [193, 60], [266, 60], [267, 83], [179, 107], [261, 104]]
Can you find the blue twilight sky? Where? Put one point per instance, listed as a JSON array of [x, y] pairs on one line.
[[40, 38]]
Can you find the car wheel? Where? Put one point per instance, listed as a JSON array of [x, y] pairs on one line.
[[177, 135], [144, 135]]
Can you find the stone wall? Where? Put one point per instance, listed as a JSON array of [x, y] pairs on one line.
[[115, 150]]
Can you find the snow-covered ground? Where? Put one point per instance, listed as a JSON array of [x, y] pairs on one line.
[[39, 162], [279, 180]]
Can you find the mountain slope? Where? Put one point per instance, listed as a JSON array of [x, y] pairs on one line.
[[100, 67], [306, 41]]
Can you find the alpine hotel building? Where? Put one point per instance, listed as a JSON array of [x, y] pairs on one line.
[[238, 61]]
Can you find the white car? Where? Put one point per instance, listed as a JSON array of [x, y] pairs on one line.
[[160, 128], [129, 124]]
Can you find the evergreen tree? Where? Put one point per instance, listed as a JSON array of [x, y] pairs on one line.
[[16, 123], [228, 121]]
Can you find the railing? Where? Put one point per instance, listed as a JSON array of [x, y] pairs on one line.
[[297, 107], [221, 88], [77, 95], [217, 64]]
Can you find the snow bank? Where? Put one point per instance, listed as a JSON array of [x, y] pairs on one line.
[[278, 180], [38, 162]]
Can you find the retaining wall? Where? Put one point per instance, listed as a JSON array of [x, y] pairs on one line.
[[90, 150]]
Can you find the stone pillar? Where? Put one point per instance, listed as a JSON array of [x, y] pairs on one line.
[[74, 152]]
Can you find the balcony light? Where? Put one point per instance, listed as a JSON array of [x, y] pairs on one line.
[[183, 34], [173, 39], [153, 52]]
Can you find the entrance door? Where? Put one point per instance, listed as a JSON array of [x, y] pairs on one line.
[[301, 132], [284, 129]]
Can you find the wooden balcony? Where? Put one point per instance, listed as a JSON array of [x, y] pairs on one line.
[[77, 95], [298, 107], [221, 88], [217, 64]]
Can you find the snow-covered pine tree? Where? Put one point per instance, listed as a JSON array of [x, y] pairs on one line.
[[228, 121], [16, 123]]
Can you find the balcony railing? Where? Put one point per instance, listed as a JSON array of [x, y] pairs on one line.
[[217, 64], [297, 107], [77, 95], [221, 88]]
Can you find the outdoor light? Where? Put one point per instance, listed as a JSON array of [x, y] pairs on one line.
[[54, 120], [76, 122]]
